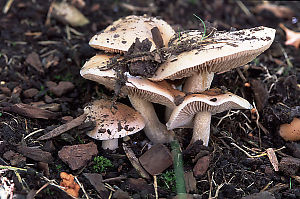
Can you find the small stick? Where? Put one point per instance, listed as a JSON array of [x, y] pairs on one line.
[[155, 186]]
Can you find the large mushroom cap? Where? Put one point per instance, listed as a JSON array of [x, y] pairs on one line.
[[158, 92], [209, 101], [112, 122], [218, 53], [119, 36]]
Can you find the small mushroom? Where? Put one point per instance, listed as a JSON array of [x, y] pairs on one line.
[[290, 132], [119, 36], [196, 110], [113, 121], [141, 93]]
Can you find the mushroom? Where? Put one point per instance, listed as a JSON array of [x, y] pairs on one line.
[[202, 106], [290, 132], [119, 36], [141, 93], [112, 122], [218, 53]]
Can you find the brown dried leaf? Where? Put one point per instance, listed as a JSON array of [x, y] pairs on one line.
[[292, 37], [30, 111]]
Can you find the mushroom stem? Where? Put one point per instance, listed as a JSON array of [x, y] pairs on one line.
[[110, 144], [201, 129], [154, 129], [199, 83]]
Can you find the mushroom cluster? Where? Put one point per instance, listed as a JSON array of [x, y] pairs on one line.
[[139, 54]]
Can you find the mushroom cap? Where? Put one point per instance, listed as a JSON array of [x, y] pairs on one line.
[[156, 92], [290, 132], [113, 122], [219, 53], [119, 36], [209, 101], [92, 70]]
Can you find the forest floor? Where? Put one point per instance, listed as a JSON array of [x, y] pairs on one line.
[[40, 60]]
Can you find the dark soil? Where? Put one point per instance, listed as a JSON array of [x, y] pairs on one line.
[[37, 59]]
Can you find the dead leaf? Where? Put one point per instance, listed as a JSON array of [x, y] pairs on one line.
[[278, 11], [30, 111], [33, 59], [292, 37]]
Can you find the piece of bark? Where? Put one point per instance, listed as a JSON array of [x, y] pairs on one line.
[[29, 93], [33, 59], [157, 159], [261, 94], [14, 158], [190, 182], [36, 154], [63, 128], [62, 88], [139, 185], [201, 166], [96, 180], [30, 111], [135, 162], [77, 156]]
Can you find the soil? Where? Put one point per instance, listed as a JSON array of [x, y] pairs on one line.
[[37, 59]]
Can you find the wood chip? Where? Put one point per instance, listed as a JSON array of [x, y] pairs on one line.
[[35, 154], [157, 159], [63, 128], [30, 111], [135, 162], [96, 180], [77, 156], [33, 59], [273, 159]]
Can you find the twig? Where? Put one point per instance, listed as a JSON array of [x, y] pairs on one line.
[[255, 156], [155, 186], [7, 6], [82, 187], [244, 8]]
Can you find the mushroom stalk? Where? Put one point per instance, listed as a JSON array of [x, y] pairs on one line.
[[154, 129], [199, 83], [110, 144], [201, 129]]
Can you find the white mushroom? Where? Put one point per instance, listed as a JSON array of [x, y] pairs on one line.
[[119, 36], [219, 53], [202, 106], [141, 93], [112, 122]]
